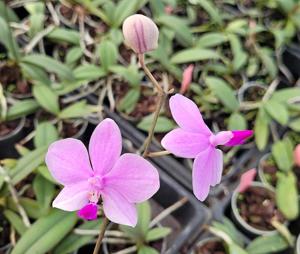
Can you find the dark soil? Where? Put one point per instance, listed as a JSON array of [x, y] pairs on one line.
[[212, 247], [257, 206], [12, 80], [8, 127], [269, 170], [70, 129], [146, 104], [254, 94], [5, 231]]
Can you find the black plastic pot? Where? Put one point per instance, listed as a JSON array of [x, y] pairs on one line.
[[291, 59], [241, 223], [204, 241], [192, 216], [7, 143]]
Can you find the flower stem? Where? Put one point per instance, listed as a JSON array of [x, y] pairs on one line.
[[161, 99], [101, 235], [158, 154]]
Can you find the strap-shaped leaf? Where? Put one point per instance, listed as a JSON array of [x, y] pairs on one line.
[[50, 64], [45, 233]]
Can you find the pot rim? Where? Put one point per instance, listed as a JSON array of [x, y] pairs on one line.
[[238, 217], [205, 240], [16, 130]]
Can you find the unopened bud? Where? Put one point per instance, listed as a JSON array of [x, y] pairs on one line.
[[140, 33]]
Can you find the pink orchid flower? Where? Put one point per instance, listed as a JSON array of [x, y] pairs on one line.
[[297, 155], [246, 180], [193, 139], [186, 78], [120, 181]]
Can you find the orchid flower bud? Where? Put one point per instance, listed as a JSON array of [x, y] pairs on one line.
[[140, 33], [297, 155]]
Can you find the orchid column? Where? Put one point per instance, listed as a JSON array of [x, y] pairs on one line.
[[141, 35]]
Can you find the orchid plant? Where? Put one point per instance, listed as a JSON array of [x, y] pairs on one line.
[[104, 181]]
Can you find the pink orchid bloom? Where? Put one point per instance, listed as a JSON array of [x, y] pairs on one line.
[[246, 180], [193, 139], [186, 78], [120, 181], [297, 155]]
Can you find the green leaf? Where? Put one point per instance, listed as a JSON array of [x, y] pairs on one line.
[[261, 129], [282, 152], [223, 91], [7, 39], [28, 164], [268, 61], [239, 55], [235, 249], [89, 72], [130, 73], [44, 191], [73, 55], [108, 54], [31, 207], [126, 8], [46, 133], [157, 233], [164, 124], [44, 171], [35, 73], [287, 195], [277, 111], [16, 221], [65, 35], [237, 122], [76, 110], [50, 65], [267, 244], [211, 39], [194, 55], [74, 241], [286, 94], [211, 9], [179, 26], [295, 125], [22, 108], [229, 229], [46, 97], [129, 101], [45, 233], [147, 250]]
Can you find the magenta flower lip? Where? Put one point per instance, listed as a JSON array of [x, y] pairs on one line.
[[120, 181], [193, 139]]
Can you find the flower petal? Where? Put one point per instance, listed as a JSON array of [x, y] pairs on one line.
[[117, 208], [88, 212], [134, 177], [221, 138], [207, 171], [105, 146], [186, 78], [246, 180], [68, 161], [72, 197], [185, 144], [187, 115], [239, 137]]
